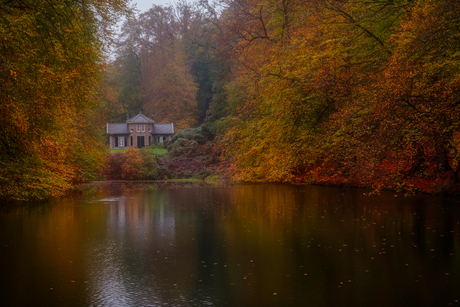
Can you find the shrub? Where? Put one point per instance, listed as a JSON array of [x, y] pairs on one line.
[[149, 165], [188, 141], [214, 179], [114, 163], [131, 169], [183, 146], [200, 135], [163, 172], [132, 164]]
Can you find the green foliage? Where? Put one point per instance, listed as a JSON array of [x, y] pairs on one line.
[[156, 149], [128, 76], [218, 107], [159, 150], [200, 135], [149, 165], [188, 141], [183, 146], [202, 72]]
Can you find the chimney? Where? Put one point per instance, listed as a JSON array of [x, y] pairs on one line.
[[127, 116]]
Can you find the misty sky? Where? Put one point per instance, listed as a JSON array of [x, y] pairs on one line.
[[144, 5]]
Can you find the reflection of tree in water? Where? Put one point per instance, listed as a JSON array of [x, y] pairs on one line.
[[334, 235], [230, 246], [419, 224], [234, 246]]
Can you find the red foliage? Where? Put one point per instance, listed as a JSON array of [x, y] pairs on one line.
[[124, 165], [199, 161], [131, 169]]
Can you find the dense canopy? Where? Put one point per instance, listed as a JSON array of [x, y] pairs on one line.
[[360, 92], [51, 62]]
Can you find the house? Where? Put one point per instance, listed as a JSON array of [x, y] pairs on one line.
[[138, 131]]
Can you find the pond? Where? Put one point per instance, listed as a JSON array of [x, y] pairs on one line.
[[251, 245]]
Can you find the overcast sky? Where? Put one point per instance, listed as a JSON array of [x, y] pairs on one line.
[[145, 5]]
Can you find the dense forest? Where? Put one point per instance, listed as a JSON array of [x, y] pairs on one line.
[[355, 93]]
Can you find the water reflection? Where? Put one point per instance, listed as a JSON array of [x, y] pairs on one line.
[[262, 245]]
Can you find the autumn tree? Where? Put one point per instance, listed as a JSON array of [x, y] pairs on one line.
[[179, 69], [351, 92], [168, 87], [50, 68], [414, 113]]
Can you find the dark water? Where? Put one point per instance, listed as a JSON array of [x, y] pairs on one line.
[[261, 245]]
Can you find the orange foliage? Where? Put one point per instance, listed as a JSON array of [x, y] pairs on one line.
[[357, 93], [50, 66]]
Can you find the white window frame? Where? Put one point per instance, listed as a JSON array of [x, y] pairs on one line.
[[138, 128], [143, 128], [121, 141]]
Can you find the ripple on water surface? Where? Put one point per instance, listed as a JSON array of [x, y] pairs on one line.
[[260, 245]]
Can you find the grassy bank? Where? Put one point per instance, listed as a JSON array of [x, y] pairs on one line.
[[192, 154], [155, 149]]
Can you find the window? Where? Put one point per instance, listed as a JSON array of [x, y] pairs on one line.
[[138, 128], [143, 128], [131, 140], [121, 141]]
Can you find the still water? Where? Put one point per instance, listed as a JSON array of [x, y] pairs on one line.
[[255, 245]]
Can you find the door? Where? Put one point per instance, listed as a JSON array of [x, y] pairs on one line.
[[140, 141]]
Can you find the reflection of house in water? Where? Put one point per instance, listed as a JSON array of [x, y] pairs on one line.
[[140, 218], [141, 242]]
